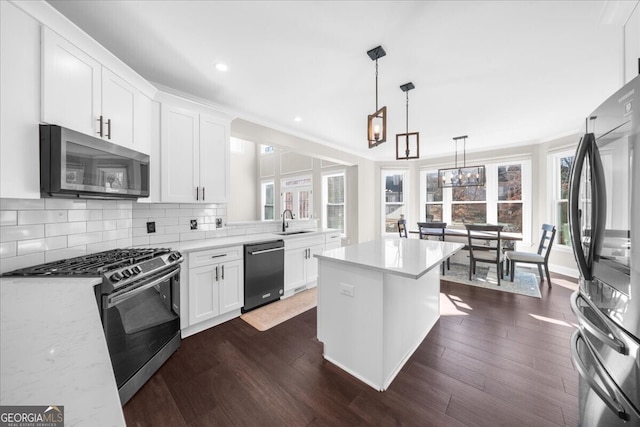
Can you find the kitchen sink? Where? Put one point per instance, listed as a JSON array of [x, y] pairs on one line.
[[289, 233]]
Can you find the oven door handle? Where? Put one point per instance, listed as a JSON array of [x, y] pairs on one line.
[[615, 343], [117, 298], [615, 400]]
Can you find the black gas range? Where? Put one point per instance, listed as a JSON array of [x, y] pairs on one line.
[[139, 303]]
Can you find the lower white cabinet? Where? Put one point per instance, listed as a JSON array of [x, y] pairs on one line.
[[215, 283], [332, 240], [300, 266]]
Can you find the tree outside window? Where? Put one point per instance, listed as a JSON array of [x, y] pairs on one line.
[[469, 205], [563, 163], [433, 204], [510, 197]]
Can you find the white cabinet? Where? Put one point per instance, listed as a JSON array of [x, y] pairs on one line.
[[215, 283], [19, 103], [332, 240], [81, 94], [300, 266], [195, 153]]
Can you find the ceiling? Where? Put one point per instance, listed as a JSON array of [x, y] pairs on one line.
[[503, 72]]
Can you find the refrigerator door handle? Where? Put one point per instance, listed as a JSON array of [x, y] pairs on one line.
[[599, 203], [615, 343], [616, 401], [574, 199]]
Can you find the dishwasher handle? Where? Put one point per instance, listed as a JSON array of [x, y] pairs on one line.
[[264, 251]]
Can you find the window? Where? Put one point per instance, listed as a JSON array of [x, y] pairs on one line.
[[504, 199], [394, 185], [267, 200], [266, 149], [562, 163], [297, 196], [509, 209], [433, 199], [333, 200]]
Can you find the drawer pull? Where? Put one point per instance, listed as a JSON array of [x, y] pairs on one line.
[[218, 256]]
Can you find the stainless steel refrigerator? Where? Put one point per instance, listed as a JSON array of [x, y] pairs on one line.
[[604, 214]]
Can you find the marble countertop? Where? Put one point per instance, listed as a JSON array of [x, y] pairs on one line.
[[404, 257], [53, 350]]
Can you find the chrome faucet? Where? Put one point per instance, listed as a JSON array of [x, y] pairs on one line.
[[284, 215]]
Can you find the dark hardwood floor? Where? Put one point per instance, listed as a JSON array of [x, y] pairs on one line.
[[493, 359]]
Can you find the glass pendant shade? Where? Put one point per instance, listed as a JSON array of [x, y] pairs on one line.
[[377, 127]]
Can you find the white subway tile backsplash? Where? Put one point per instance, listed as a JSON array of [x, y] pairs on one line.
[[44, 230], [8, 249], [140, 240], [65, 228], [42, 217], [85, 238], [21, 232], [65, 253], [116, 214], [8, 218], [21, 204], [164, 238], [65, 204], [26, 247]]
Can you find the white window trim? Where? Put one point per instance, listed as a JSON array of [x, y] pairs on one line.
[[405, 196], [263, 200], [553, 162], [491, 194], [325, 176], [297, 187]]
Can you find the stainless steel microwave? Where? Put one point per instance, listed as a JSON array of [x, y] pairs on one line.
[[73, 164]]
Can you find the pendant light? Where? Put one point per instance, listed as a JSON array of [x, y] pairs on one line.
[[377, 122], [466, 176], [409, 139]]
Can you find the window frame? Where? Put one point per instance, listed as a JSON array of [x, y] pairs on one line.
[[263, 196], [384, 173], [491, 199], [555, 191], [325, 198], [297, 189]]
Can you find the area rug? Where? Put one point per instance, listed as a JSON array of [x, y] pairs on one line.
[[525, 283], [270, 315]]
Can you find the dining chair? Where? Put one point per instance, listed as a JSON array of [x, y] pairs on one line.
[[434, 229], [402, 228], [541, 258], [484, 246]]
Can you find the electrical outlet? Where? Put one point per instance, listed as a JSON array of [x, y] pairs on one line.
[[347, 290], [218, 222], [151, 227], [194, 224]]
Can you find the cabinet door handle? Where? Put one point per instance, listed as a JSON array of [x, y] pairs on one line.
[[197, 193], [216, 273], [203, 194], [100, 126], [108, 128], [223, 272]]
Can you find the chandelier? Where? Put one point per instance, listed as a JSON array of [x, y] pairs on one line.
[[465, 176], [377, 122], [412, 138]]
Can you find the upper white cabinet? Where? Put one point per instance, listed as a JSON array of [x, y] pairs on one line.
[[194, 156], [81, 94], [19, 103]]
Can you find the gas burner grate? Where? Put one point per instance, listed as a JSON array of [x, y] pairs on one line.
[[92, 264]]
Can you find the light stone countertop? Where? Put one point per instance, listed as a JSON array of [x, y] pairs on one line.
[[220, 242], [410, 258], [53, 350]]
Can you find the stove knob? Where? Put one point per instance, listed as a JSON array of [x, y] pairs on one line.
[[136, 269], [127, 273], [116, 277]]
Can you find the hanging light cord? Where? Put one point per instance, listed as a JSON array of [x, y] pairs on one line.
[[376, 84]]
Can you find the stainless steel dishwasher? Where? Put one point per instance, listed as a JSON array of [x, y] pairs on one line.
[[263, 273]]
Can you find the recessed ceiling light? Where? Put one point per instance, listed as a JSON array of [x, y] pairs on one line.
[[297, 119], [222, 67]]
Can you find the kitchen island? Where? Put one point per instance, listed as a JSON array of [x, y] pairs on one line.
[[377, 301]]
